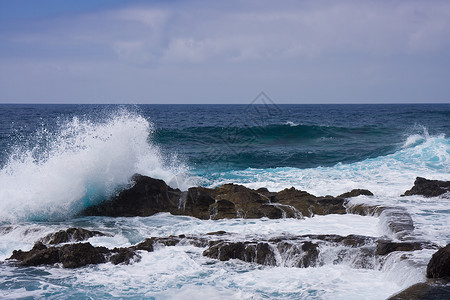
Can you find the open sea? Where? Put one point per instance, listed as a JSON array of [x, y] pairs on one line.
[[56, 160]]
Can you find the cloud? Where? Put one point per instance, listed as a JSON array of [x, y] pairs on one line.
[[310, 41]]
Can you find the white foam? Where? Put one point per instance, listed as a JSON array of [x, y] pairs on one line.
[[83, 162], [166, 224]]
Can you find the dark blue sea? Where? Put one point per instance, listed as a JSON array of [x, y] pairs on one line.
[[56, 160]]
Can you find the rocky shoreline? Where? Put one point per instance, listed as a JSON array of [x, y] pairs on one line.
[[148, 196]]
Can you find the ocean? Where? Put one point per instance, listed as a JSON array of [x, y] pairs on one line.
[[56, 160]]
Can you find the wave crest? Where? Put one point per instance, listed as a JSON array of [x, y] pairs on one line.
[[79, 164]]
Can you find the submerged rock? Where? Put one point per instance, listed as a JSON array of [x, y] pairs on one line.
[[428, 188], [439, 265]]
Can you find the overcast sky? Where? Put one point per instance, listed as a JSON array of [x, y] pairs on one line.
[[115, 51]]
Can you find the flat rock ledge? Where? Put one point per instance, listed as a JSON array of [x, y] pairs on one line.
[[290, 251]]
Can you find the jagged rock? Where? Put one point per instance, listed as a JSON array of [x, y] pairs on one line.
[[428, 188], [38, 255], [81, 254], [386, 247], [146, 197], [70, 235], [356, 193], [309, 205], [149, 196], [71, 255], [439, 265]]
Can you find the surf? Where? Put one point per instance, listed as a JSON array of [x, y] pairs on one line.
[[79, 163]]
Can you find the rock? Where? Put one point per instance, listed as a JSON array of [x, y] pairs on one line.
[[223, 209], [149, 196], [124, 256], [356, 193], [198, 201], [300, 255], [71, 255], [146, 197], [428, 188], [38, 255], [439, 265], [70, 235], [309, 205], [81, 254], [386, 247], [424, 291], [224, 251]]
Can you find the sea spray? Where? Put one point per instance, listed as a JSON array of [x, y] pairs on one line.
[[81, 163]]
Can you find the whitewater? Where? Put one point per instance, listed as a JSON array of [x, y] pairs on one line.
[[57, 160]]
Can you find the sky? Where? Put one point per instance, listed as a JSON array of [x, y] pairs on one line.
[[189, 51]]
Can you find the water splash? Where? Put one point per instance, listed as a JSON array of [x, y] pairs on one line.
[[79, 164]]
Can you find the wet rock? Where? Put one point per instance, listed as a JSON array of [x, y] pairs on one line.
[[220, 232], [424, 291], [223, 209], [224, 251], [428, 188], [124, 256], [149, 196], [197, 204], [81, 254], [146, 197], [309, 205], [386, 247], [70, 235], [38, 255], [300, 255], [71, 255], [439, 265], [356, 193]]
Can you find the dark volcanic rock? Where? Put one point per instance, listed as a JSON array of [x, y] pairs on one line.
[[70, 235], [356, 193], [149, 196], [309, 205], [424, 291], [439, 265], [124, 256], [428, 188], [38, 255], [146, 197], [386, 247], [71, 255], [81, 254]]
